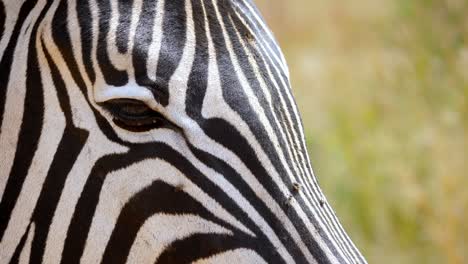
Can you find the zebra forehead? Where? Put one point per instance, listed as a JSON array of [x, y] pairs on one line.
[[173, 13], [150, 36]]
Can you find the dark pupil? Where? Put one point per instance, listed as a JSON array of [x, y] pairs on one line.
[[134, 115], [134, 109]]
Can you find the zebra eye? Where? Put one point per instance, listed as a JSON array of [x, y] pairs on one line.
[[134, 115]]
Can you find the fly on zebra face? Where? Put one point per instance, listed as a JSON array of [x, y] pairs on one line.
[[143, 131]]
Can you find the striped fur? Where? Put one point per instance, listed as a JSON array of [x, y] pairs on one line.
[[222, 176]]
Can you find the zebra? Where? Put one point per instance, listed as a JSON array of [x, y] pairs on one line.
[[162, 131]]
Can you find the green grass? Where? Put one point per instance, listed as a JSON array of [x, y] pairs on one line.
[[383, 87]]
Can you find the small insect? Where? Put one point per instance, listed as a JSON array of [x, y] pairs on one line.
[[179, 187], [321, 202], [289, 199], [249, 36], [296, 187]]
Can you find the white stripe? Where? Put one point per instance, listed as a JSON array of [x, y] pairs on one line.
[[300, 151], [12, 9], [259, 21], [299, 142], [54, 124], [294, 176], [72, 190], [238, 256], [120, 186], [284, 134], [25, 255], [155, 47], [153, 238], [285, 87], [266, 163], [83, 118], [15, 96]]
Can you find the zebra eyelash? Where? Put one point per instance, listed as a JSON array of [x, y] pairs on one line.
[[134, 115]]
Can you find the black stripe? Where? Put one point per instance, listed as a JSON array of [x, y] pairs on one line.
[[280, 111], [2, 19], [30, 132], [19, 248], [159, 197], [242, 10], [252, 78], [266, 144], [85, 209], [256, 201], [7, 56], [141, 44], [197, 85], [61, 37], [70, 146], [234, 141], [231, 139], [280, 77], [295, 125], [85, 24], [123, 27], [172, 45], [86, 206], [111, 75], [198, 78], [226, 134], [143, 39], [199, 246]]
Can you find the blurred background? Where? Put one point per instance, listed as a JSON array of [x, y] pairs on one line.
[[383, 88]]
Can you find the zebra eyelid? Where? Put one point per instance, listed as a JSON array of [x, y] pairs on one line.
[[116, 106], [141, 120]]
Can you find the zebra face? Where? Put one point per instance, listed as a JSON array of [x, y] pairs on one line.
[[154, 130]]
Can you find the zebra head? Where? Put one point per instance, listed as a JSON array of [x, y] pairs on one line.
[[154, 130]]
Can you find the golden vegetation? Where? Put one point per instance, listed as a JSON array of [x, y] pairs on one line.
[[383, 87]]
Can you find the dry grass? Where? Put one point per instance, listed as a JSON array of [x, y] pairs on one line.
[[382, 87]]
